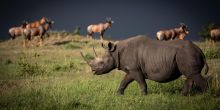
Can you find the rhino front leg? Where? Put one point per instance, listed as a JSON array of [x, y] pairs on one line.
[[124, 83]]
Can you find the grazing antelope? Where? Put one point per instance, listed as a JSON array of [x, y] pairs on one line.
[[17, 31], [171, 34], [99, 28], [37, 23], [214, 35], [37, 31]]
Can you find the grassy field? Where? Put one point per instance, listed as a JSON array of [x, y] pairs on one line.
[[54, 76]]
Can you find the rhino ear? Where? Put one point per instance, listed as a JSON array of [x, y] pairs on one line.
[[111, 47]]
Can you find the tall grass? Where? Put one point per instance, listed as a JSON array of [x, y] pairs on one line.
[[56, 77]]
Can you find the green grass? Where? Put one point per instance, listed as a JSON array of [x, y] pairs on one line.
[[56, 77]]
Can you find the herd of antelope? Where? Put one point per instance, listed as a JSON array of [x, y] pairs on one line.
[[29, 30], [40, 27]]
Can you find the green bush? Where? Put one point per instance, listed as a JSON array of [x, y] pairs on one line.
[[77, 31], [26, 68], [206, 29], [212, 53], [66, 67], [72, 46], [8, 61]]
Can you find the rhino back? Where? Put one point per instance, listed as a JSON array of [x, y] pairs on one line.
[[155, 60], [160, 61]]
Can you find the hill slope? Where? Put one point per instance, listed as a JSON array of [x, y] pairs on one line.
[[55, 76]]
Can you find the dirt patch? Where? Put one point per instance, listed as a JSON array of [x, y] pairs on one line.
[[7, 86]]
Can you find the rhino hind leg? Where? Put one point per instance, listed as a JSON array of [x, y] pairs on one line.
[[140, 78], [200, 81], [187, 87]]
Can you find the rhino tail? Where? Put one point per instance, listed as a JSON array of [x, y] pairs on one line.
[[206, 64], [207, 67]]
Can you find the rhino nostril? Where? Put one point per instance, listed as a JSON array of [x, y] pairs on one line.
[[93, 69]]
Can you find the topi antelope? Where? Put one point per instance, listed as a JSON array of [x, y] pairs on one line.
[[171, 34], [99, 28], [214, 35], [37, 31], [37, 23], [17, 31]]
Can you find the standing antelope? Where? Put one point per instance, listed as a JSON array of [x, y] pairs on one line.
[[171, 34], [17, 31], [37, 31], [37, 23], [214, 35], [99, 28]]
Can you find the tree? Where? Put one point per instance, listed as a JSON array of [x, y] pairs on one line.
[[205, 33], [77, 30]]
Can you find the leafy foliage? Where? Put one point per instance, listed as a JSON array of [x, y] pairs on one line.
[[205, 33], [66, 66], [77, 31], [212, 53], [27, 68], [72, 46], [69, 84]]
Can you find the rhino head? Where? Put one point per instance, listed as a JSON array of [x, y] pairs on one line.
[[104, 64]]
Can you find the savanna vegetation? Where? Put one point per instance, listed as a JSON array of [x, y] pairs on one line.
[[205, 31], [55, 76]]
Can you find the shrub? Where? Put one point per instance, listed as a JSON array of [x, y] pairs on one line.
[[72, 46], [206, 29], [212, 53], [66, 67], [8, 61], [77, 31], [214, 85], [26, 68]]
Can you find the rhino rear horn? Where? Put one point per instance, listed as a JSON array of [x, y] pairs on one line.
[[84, 58], [94, 51]]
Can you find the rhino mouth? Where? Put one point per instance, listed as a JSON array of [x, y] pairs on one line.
[[94, 72], [99, 71]]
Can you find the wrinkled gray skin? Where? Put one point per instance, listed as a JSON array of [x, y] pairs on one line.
[[143, 58]]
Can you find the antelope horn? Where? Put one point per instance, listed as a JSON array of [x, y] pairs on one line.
[[84, 58], [182, 24], [94, 51], [108, 19]]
